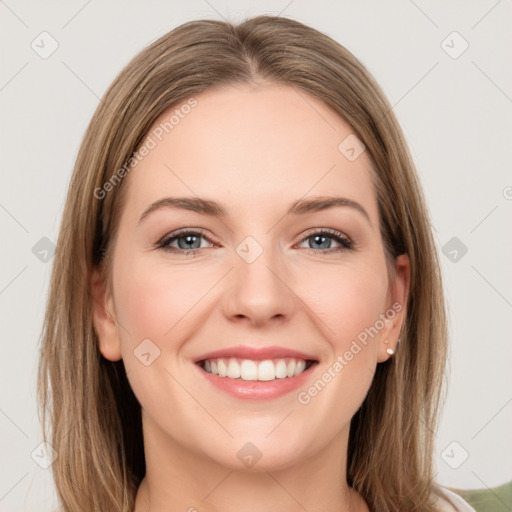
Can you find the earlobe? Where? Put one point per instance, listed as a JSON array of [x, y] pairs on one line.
[[104, 320]]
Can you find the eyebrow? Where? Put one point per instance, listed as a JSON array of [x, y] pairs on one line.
[[212, 208]]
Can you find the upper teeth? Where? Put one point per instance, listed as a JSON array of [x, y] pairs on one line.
[[247, 369]]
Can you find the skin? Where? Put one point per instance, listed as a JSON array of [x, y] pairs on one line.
[[255, 150]]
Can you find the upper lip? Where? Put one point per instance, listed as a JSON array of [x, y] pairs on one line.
[[256, 353]]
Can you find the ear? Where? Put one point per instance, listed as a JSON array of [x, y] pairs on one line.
[[397, 308], [104, 319]]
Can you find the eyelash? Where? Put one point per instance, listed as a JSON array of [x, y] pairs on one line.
[[345, 242]]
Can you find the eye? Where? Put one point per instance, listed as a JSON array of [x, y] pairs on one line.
[[323, 240], [187, 241]]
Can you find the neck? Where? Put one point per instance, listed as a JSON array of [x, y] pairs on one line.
[[177, 478]]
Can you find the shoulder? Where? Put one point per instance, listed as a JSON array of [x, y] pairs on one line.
[[451, 502]]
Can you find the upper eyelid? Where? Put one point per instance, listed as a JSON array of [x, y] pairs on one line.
[[185, 231], [329, 231]]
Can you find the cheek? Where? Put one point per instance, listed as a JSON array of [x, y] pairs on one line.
[[154, 299], [154, 302], [348, 299]]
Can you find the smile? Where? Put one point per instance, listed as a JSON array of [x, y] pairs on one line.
[[255, 370]]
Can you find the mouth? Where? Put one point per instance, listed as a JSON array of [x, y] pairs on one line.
[[265, 370], [255, 373]]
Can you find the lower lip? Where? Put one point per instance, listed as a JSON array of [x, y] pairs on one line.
[[258, 389]]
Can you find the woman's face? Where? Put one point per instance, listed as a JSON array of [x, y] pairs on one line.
[[273, 278]]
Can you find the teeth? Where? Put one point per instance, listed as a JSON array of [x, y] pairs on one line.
[[281, 370], [223, 369], [290, 369], [301, 365], [266, 370], [233, 369], [248, 369]]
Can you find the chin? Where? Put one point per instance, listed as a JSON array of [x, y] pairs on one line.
[[258, 453]]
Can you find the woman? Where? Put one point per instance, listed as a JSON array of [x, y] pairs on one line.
[[244, 243]]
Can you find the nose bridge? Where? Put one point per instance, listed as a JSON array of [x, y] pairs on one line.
[[257, 287]]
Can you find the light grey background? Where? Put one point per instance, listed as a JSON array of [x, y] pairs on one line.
[[456, 115]]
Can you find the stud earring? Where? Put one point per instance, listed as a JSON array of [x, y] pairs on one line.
[[390, 351]]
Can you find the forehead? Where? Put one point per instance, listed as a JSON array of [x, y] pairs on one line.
[[249, 147]]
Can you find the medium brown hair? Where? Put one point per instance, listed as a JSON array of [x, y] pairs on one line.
[[89, 413]]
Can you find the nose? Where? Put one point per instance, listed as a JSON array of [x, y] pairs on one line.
[[260, 291]]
